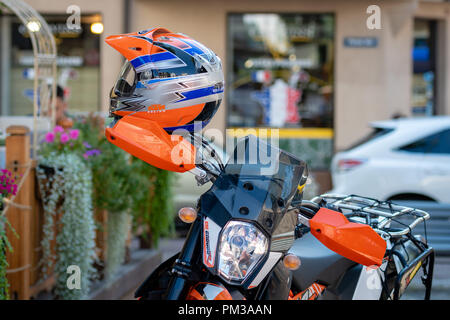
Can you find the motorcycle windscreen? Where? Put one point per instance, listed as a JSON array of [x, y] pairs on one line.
[[258, 184], [354, 241]]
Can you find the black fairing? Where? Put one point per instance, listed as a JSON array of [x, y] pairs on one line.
[[279, 283], [257, 186], [320, 264], [254, 192]]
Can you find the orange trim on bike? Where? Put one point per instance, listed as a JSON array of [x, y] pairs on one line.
[[355, 241], [311, 293], [168, 118]]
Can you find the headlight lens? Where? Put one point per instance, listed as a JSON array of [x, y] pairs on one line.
[[241, 247]]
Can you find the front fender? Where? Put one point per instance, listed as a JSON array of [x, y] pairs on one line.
[[155, 286], [157, 282]]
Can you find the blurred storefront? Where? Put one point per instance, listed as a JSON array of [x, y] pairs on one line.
[[83, 66], [314, 69], [78, 64], [280, 75]]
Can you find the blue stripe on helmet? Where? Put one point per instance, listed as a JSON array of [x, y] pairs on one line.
[[193, 48], [161, 56], [136, 62]]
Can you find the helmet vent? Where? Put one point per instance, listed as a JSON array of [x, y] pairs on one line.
[[135, 48], [160, 31]]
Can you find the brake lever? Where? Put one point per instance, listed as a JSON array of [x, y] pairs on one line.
[[303, 220]]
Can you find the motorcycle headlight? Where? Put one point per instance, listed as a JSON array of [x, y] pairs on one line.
[[242, 246]]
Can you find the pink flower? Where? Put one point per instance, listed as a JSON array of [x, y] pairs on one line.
[[73, 134], [49, 137], [64, 137], [58, 129]]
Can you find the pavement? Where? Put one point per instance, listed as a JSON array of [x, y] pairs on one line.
[[440, 289], [167, 248], [416, 290]]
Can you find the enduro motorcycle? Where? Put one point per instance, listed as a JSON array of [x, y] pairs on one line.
[[253, 237]]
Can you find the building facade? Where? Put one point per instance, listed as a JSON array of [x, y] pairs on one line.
[[318, 70]]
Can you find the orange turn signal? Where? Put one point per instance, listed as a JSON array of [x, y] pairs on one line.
[[291, 261], [187, 214]]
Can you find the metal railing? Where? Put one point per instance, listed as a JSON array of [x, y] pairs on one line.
[[437, 229], [425, 218]]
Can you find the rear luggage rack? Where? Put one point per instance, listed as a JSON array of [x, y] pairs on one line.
[[382, 216], [378, 214]]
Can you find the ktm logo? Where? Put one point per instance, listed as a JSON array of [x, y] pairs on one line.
[[156, 107], [207, 248]]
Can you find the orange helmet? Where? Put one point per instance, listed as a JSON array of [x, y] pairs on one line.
[[168, 78]]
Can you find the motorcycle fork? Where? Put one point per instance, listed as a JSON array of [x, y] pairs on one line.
[[182, 267]]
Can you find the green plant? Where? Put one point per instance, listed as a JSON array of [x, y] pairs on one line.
[[123, 183], [8, 187], [60, 140], [4, 246], [153, 208], [118, 223], [65, 183], [115, 184]]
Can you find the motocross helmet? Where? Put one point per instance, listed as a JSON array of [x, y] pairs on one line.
[[168, 78]]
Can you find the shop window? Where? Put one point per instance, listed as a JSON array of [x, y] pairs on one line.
[[78, 64], [280, 75], [424, 68]]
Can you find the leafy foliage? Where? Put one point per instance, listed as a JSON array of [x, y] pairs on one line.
[[8, 187], [114, 177], [75, 240], [60, 140], [153, 210], [118, 223], [4, 246], [123, 183]]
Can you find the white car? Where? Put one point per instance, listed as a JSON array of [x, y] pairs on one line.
[[402, 159]]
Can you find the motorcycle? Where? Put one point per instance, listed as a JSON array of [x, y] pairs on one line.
[[253, 237]]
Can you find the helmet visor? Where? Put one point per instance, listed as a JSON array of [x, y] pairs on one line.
[[126, 81]]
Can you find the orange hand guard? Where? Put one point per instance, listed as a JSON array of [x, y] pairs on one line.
[[149, 142]]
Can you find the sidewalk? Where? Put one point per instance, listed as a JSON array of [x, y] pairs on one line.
[[167, 248], [441, 282]]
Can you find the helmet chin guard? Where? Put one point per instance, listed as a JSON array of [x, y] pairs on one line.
[[149, 142]]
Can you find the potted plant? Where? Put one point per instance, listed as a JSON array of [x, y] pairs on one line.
[[8, 188], [65, 183]]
